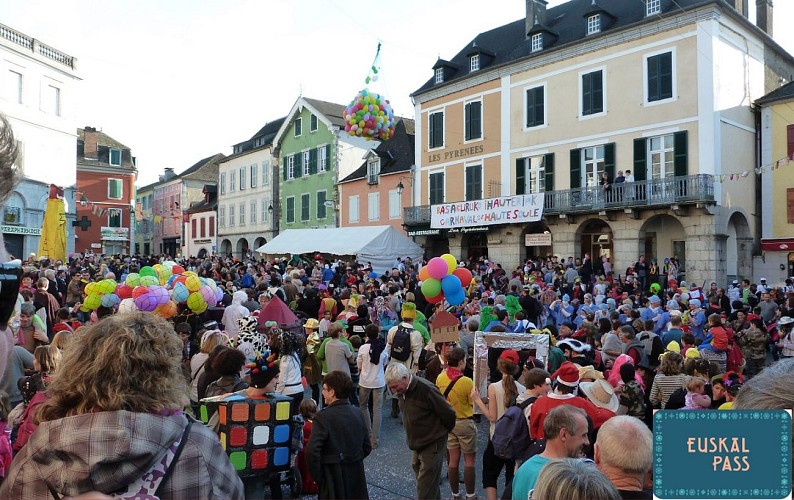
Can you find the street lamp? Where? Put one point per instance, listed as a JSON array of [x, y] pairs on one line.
[[401, 186]]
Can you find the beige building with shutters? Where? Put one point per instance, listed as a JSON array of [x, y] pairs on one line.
[[551, 102]]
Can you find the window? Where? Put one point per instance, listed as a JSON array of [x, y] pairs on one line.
[[114, 217], [474, 62], [321, 208], [253, 212], [661, 156], [212, 226], [373, 206], [203, 227], [473, 120], [594, 165], [232, 181], [313, 124], [115, 189], [194, 228], [290, 167], [536, 107], [436, 130], [12, 216], [298, 127], [536, 42], [15, 87], [473, 182], [323, 152], [223, 183], [373, 169], [51, 100], [231, 215], [353, 204], [653, 7], [305, 206], [306, 168], [592, 93], [265, 173], [242, 178], [790, 205], [290, 209], [790, 141], [593, 24], [115, 157], [265, 211], [394, 204], [535, 174], [659, 71], [439, 75], [436, 190], [254, 169], [242, 214]]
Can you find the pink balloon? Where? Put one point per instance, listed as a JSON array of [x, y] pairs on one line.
[[437, 268]]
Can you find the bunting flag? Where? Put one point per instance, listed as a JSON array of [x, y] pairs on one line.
[[782, 162]]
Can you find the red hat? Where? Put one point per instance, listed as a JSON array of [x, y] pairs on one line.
[[512, 356], [567, 374]]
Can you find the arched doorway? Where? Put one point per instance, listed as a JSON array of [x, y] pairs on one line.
[[595, 238], [259, 242], [663, 236], [535, 245], [475, 245], [202, 254], [242, 248], [738, 248], [226, 248]]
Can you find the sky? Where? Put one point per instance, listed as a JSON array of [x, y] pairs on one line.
[[181, 80]]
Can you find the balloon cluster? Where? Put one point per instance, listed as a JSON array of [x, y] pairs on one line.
[[369, 115], [443, 279], [100, 293], [197, 292], [144, 291]]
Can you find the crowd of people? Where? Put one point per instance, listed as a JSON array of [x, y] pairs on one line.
[[620, 347]]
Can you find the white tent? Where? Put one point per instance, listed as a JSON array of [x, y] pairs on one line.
[[379, 245]]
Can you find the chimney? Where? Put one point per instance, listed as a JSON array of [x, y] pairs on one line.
[[90, 138], [169, 174], [536, 14], [763, 15]]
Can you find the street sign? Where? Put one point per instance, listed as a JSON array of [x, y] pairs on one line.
[[328, 204]]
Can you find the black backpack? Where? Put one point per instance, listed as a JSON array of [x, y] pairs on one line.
[[401, 344], [677, 399], [511, 433]]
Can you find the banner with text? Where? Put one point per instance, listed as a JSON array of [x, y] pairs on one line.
[[488, 212]]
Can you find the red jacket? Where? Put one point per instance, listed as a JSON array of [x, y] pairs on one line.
[[545, 404]]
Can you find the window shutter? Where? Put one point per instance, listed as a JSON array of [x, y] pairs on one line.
[[640, 159], [476, 115], [576, 168], [297, 170], [548, 162], [521, 175], [284, 167], [666, 75], [597, 86], [790, 141], [653, 78], [587, 94], [468, 112], [328, 163], [609, 160], [680, 162], [312, 161]]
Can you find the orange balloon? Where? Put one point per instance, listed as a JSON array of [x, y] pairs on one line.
[[167, 310], [423, 274]]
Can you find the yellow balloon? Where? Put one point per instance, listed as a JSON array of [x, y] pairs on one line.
[[451, 261], [193, 283]]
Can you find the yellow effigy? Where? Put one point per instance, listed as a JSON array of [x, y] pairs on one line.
[[52, 243]]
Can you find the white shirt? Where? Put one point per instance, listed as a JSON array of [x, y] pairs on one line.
[[289, 376], [371, 376]]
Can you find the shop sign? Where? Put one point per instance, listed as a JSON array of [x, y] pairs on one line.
[[201, 242], [96, 245], [32, 231], [477, 229], [538, 240], [424, 232], [492, 211], [115, 233]]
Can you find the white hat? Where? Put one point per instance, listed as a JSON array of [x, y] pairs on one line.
[[785, 320], [763, 279], [601, 394]]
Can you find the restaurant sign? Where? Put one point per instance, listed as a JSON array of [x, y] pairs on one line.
[[115, 233], [491, 211]]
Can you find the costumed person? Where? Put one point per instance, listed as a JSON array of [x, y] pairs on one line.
[[290, 384], [312, 369], [249, 341]]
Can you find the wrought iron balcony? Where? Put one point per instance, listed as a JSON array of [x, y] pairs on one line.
[[655, 193]]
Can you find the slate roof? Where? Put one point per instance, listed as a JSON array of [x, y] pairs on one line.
[[267, 132], [102, 139], [396, 154], [204, 205], [786, 92], [334, 112], [195, 168], [567, 22]]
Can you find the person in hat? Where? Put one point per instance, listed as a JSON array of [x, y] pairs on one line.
[[576, 351], [567, 378], [625, 465], [697, 318], [233, 312], [312, 369], [566, 432], [786, 342], [601, 394]]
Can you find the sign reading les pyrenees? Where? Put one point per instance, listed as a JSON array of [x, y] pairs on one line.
[[722, 454], [487, 212]]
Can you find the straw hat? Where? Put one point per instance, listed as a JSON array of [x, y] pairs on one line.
[[588, 372], [601, 394]]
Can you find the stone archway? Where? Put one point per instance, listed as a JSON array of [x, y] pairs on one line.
[[660, 237], [202, 254], [540, 233], [241, 250], [259, 242], [226, 247], [738, 247], [474, 245], [594, 237]]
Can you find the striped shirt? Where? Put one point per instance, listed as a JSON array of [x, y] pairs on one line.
[[664, 386]]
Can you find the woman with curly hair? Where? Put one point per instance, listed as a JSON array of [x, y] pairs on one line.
[[114, 415], [291, 347]]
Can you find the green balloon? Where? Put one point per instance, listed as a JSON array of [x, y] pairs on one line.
[[431, 287], [147, 271]]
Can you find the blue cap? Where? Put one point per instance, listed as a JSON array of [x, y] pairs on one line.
[[603, 307], [566, 298], [694, 302], [672, 304], [655, 299]]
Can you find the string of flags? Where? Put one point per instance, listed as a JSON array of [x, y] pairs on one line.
[[782, 162]]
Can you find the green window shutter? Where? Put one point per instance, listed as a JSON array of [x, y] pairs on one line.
[[680, 160], [284, 167], [467, 121], [476, 119], [313, 161], [298, 169], [328, 163], [576, 168], [321, 204], [653, 78], [521, 175], [640, 160], [609, 160], [666, 75], [548, 162], [587, 94], [597, 92]]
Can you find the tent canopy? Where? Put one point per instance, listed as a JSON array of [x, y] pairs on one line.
[[379, 245]]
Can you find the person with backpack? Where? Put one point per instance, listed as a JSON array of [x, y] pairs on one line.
[[501, 396], [634, 347], [404, 345], [456, 388]]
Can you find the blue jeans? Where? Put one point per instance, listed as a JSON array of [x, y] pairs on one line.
[[373, 428]]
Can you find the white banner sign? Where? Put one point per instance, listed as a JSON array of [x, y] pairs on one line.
[[488, 212], [537, 240]]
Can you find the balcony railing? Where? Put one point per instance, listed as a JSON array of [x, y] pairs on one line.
[[655, 193]]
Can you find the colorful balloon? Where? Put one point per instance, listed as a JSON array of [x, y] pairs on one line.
[[437, 268], [106, 286], [160, 294], [464, 275], [110, 300], [124, 291], [424, 273], [147, 271], [452, 262], [431, 287], [196, 303], [133, 280], [91, 288], [180, 293], [91, 302], [177, 269], [167, 310], [127, 306], [369, 115], [435, 300], [457, 298], [193, 283], [208, 295], [146, 302], [149, 281], [218, 295], [450, 285], [138, 291]]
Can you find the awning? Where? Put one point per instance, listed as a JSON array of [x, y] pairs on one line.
[[378, 245], [778, 244]]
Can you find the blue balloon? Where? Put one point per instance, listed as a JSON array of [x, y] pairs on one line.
[[450, 284], [457, 298], [218, 294], [180, 293], [373, 275]]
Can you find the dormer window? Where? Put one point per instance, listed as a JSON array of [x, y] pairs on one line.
[[439, 75], [537, 42], [474, 62], [373, 169], [653, 7], [593, 24]]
